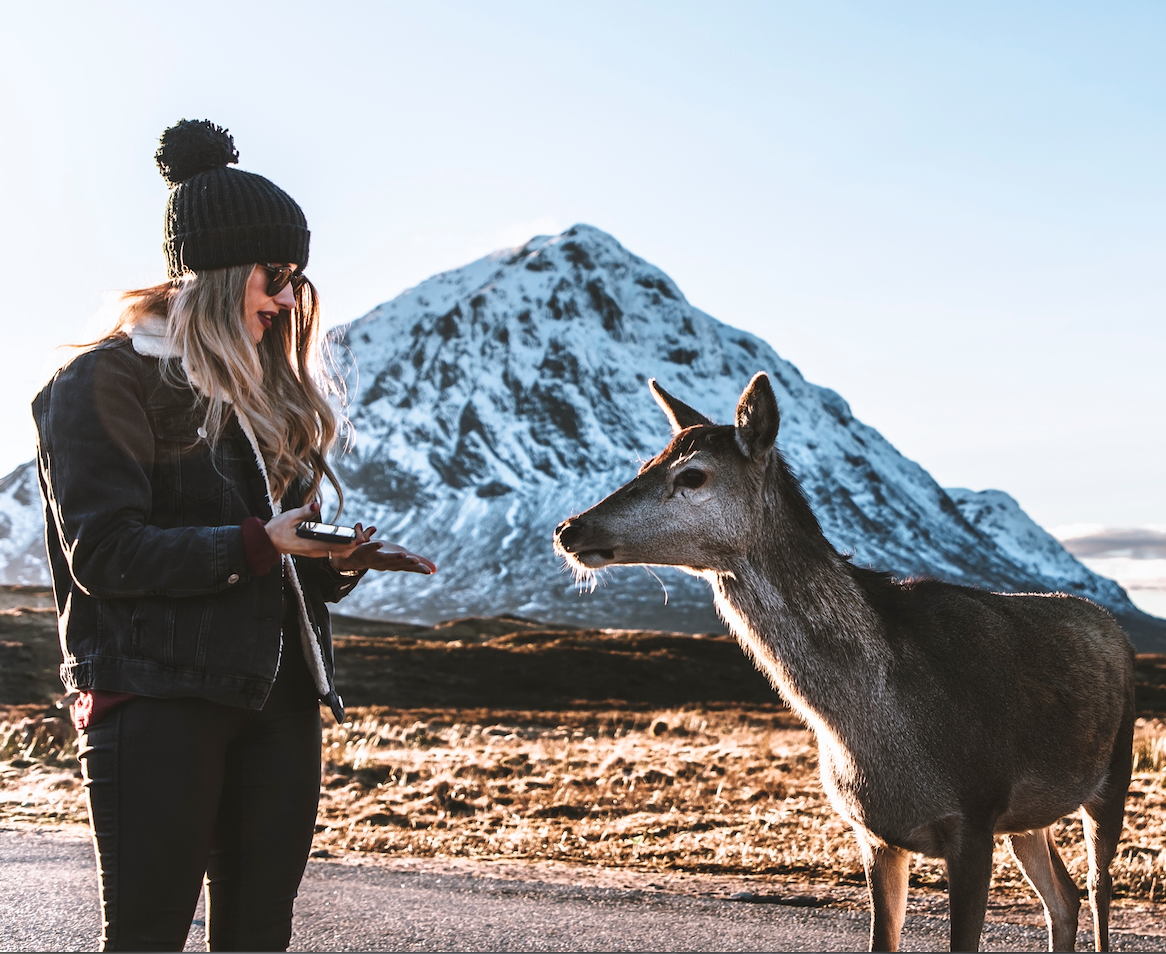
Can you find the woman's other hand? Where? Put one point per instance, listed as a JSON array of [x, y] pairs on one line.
[[375, 555]]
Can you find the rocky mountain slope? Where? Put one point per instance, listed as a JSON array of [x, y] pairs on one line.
[[22, 529], [493, 401]]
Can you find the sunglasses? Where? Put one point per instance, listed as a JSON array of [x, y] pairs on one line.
[[280, 275]]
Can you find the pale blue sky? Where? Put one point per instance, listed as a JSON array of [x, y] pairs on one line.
[[952, 214]]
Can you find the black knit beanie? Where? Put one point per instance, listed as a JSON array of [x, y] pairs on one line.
[[218, 216]]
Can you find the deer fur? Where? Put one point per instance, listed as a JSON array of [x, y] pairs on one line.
[[944, 715]]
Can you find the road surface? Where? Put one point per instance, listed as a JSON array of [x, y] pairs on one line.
[[48, 902]]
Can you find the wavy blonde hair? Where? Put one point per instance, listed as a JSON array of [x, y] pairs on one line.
[[282, 386]]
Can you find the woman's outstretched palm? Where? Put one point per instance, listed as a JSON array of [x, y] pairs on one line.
[[376, 555]]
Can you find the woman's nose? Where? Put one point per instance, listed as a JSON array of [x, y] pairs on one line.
[[286, 299]]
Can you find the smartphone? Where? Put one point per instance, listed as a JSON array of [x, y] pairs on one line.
[[327, 532]]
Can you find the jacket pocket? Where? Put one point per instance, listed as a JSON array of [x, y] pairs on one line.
[[152, 630], [192, 482]]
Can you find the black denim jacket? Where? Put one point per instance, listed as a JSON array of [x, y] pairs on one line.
[[142, 525]]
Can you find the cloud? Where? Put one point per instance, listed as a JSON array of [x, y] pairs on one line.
[[1133, 556], [1134, 543]]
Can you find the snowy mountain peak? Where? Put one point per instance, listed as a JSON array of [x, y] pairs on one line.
[[514, 364]]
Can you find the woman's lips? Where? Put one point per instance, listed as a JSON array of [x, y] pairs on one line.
[[265, 320]]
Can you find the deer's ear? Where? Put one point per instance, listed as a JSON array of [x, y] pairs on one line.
[[680, 415], [757, 418]]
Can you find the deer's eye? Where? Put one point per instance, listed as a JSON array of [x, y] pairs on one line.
[[691, 478]]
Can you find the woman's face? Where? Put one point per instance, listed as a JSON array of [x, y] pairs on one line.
[[259, 308]]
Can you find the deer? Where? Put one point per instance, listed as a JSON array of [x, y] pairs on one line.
[[944, 715]]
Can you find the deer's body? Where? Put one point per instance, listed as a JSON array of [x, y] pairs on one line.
[[944, 715], [921, 672]]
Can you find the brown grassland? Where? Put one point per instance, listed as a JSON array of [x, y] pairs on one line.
[[512, 741]]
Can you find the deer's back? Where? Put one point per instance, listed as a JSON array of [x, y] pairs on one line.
[[1007, 691]]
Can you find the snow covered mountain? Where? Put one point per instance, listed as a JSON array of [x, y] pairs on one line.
[[22, 529], [493, 401], [1030, 547]]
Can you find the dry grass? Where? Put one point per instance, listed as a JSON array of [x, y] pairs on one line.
[[40, 781], [729, 791], [724, 791]]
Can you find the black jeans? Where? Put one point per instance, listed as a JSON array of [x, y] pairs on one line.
[[181, 787]]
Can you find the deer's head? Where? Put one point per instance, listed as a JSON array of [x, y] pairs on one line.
[[695, 504]]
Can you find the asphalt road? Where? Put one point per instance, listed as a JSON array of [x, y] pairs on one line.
[[48, 902]]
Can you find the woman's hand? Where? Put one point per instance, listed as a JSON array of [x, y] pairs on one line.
[[282, 530], [363, 553], [371, 556]]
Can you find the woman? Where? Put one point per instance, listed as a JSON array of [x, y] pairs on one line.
[[178, 456]]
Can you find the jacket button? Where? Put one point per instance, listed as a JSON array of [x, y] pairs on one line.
[[233, 578]]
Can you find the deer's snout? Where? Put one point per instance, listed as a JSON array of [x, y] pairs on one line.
[[566, 533], [575, 540]]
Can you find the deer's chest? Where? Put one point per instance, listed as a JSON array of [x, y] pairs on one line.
[[881, 789]]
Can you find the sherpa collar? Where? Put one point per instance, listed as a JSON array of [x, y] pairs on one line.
[[148, 337]]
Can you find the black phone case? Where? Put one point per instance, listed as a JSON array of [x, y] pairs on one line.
[[323, 537]]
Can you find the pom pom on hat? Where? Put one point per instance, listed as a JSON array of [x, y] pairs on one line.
[[193, 146]]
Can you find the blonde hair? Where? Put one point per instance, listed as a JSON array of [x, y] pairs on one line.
[[282, 385]]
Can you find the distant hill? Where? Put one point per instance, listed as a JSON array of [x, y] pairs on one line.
[[497, 663]]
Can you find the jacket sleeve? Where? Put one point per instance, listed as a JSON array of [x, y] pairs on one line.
[[336, 585], [95, 449]]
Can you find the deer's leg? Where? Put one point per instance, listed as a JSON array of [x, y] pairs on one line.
[[969, 871], [1037, 857], [886, 880], [1102, 818]]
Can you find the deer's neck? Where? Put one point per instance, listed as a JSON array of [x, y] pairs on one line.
[[795, 607]]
